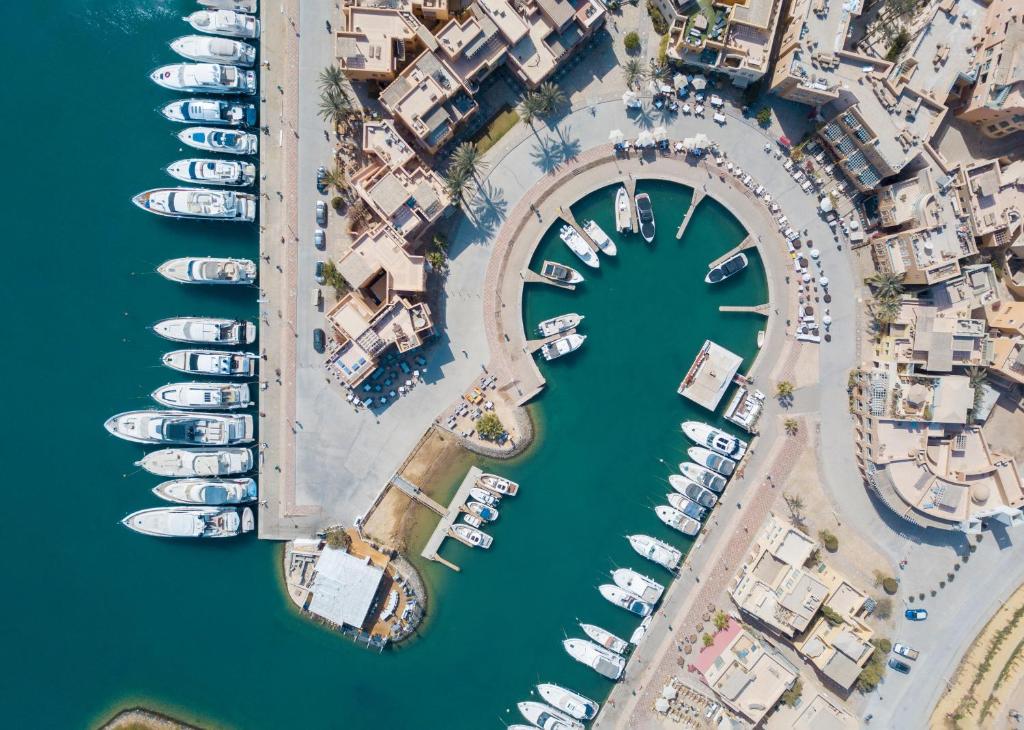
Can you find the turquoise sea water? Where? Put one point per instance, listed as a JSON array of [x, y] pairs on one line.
[[96, 617]]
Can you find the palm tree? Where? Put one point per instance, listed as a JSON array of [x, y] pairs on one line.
[[887, 285], [792, 426], [795, 504], [551, 97], [886, 311], [335, 178], [467, 159], [721, 620], [455, 182], [634, 72], [784, 390], [335, 106], [332, 79], [977, 376], [658, 71], [530, 108]]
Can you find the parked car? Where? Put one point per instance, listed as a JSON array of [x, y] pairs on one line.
[[904, 650], [916, 614], [320, 239], [319, 340], [319, 273], [901, 667], [321, 176], [321, 213]]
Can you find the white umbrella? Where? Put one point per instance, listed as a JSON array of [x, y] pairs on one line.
[[661, 705], [679, 81], [645, 139], [854, 225], [679, 147], [660, 133], [826, 320], [807, 278], [825, 205], [699, 83], [666, 89], [815, 253], [630, 99], [615, 136], [824, 281], [686, 108], [669, 692]]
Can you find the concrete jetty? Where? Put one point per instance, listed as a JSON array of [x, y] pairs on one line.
[[761, 309], [532, 277], [417, 494], [630, 183], [746, 243], [448, 518], [533, 345], [566, 215], [698, 195]]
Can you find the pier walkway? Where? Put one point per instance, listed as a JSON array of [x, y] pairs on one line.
[[417, 494], [448, 518], [532, 277], [748, 242], [630, 183], [698, 195], [761, 309], [566, 215]]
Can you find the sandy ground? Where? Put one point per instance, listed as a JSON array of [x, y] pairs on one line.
[[139, 718]]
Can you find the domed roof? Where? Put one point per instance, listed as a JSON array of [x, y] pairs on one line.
[[980, 493]]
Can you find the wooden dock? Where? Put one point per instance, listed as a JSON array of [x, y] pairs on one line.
[[417, 494], [533, 345], [746, 243], [698, 195], [532, 277], [448, 518], [761, 309], [630, 183], [566, 215]]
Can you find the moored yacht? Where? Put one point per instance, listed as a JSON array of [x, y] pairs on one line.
[[729, 267], [559, 324], [716, 462], [640, 632], [239, 6], [472, 536], [205, 78], [624, 599], [598, 236], [485, 496], [208, 49], [198, 203], [546, 717], [224, 22], [578, 246], [647, 589], [181, 427], [222, 396], [622, 217], [677, 520], [208, 270], [501, 485], [561, 273], [569, 702], [605, 638], [604, 662], [211, 492], [702, 476], [212, 362], [213, 172], [206, 330], [190, 521], [197, 462], [693, 491], [687, 506], [210, 111], [227, 141], [483, 511], [645, 216], [562, 346], [715, 439], [656, 551]]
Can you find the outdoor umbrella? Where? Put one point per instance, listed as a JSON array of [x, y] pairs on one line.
[[645, 139], [699, 83], [825, 205], [615, 136]]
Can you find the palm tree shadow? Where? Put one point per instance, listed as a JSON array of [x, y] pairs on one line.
[[643, 117], [546, 154], [488, 208], [568, 149]]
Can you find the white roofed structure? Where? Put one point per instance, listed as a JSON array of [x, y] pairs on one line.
[[344, 587]]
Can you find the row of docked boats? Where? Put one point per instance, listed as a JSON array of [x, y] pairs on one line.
[[644, 213], [563, 329], [482, 507]]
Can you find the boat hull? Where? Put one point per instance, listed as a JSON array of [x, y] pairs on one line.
[[201, 462], [208, 492], [219, 363]]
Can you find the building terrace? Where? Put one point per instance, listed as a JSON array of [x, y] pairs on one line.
[[990, 196], [995, 104], [408, 199]]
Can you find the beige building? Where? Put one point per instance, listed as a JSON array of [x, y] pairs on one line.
[[823, 713], [996, 102], [839, 644], [408, 199], [990, 196], [926, 339], [1006, 319]]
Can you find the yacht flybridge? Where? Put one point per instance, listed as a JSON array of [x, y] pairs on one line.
[[715, 439], [224, 22], [210, 111], [656, 551], [213, 172], [198, 203], [205, 78], [578, 246], [559, 324], [217, 396], [206, 330], [562, 346], [209, 49], [210, 492], [181, 427], [212, 362], [190, 521], [227, 141], [208, 270], [197, 462]]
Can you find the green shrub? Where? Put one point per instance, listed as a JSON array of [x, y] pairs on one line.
[[657, 19], [632, 42], [831, 616], [792, 695], [337, 202], [489, 426], [338, 539], [830, 541], [764, 116]]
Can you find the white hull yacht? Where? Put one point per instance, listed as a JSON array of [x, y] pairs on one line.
[[546, 717], [205, 78], [210, 49], [209, 492], [225, 141], [181, 427], [578, 246], [212, 362], [693, 491], [687, 506], [606, 663], [716, 462], [561, 273], [715, 439], [224, 22], [624, 599], [190, 521], [647, 589], [485, 496], [206, 330], [198, 204], [702, 476], [501, 485], [622, 217], [598, 236], [472, 536], [219, 396], [640, 632], [239, 6], [645, 216], [213, 172], [569, 702], [731, 266], [210, 111], [208, 270], [562, 346], [605, 638], [486, 512], [656, 551], [677, 520], [197, 462], [559, 324]]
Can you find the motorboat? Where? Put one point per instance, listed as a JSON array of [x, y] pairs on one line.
[[559, 324], [212, 492], [181, 427], [562, 346], [205, 78], [209, 270], [693, 491], [483, 511], [190, 521], [687, 506], [239, 6], [197, 462], [472, 536], [622, 217], [569, 702], [604, 662], [226, 141], [206, 330], [640, 632], [716, 462], [224, 22], [213, 172], [209, 49], [501, 485], [210, 111], [198, 203], [677, 520], [702, 476], [647, 589], [212, 362], [729, 267], [624, 599], [546, 717], [604, 244], [472, 520], [645, 216], [221, 396], [605, 638], [485, 496], [561, 273], [656, 551], [578, 246], [715, 439]]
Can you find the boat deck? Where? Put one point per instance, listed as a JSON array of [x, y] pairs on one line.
[[746, 243], [533, 345], [710, 375], [566, 215], [532, 277]]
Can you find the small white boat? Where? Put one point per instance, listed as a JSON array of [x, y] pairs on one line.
[[212, 362], [208, 270], [729, 267], [190, 521], [687, 506], [604, 662], [677, 520], [622, 218], [559, 324], [224, 22], [226, 141], [624, 599], [605, 638], [208, 49], [760, 339], [197, 462], [598, 236], [213, 172], [210, 111], [716, 462], [485, 496], [206, 330], [239, 6], [483, 511], [205, 78], [501, 485], [569, 702], [715, 439], [645, 216], [693, 491], [472, 536], [702, 476], [181, 427], [560, 272], [647, 589], [640, 632], [562, 346], [198, 203], [578, 246], [221, 396], [546, 717], [656, 551], [472, 520], [210, 492]]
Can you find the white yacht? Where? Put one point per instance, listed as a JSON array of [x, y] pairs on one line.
[[687, 506], [546, 717], [606, 663], [716, 462], [605, 638], [472, 536], [622, 217], [212, 362], [472, 520], [197, 462], [569, 702], [640, 632], [205, 78], [220, 396], [561, 273], [224, 22], [190, 521], [239, 6], [206, 330], [485, 496], [647, 589], [181, 427], [485, 512], [656, 551], [210, 49], [562, 346], [227, 141], [578, 246], [677, 520], [703, 476], [198, 203], [559, 324], [598, 236], [645, 216], [715, 439], [732, 265], [210, 111], [501, 485], [693, 491], [211, 492], [213, 172], [624, 599], [208, 270]]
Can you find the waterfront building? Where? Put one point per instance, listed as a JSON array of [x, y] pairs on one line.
[[344, 587], [995, 102], [990, 197], [377, 41], [710, 375], [1006, 320], [822, 713], [379, 267], [923, 338], [409, 199], [839, 644]]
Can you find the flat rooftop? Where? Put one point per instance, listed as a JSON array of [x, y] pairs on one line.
[[710, 375]]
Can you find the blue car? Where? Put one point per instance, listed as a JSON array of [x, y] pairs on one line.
[[901, 667], [916, 614]]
